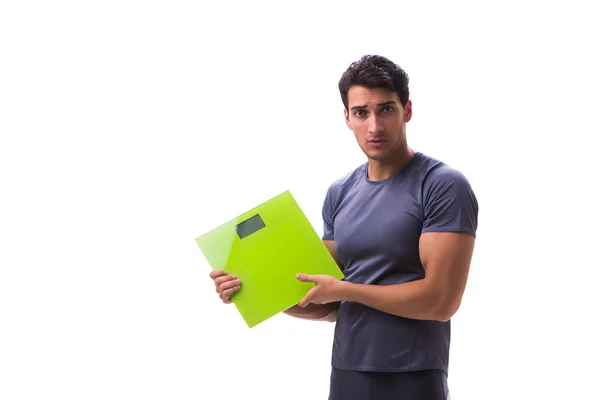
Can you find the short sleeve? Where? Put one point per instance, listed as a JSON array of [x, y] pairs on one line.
[[450, 205], [327, 214]]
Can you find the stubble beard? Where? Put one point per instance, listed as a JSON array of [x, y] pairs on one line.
[[382, 156]]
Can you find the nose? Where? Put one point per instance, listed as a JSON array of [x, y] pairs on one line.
[[375, 126]]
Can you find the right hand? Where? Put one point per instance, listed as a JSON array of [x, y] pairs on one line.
[[225, 284]]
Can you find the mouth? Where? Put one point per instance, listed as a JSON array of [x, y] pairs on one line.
[[376, 142]]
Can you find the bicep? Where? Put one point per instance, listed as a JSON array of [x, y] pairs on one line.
[[446, 258]]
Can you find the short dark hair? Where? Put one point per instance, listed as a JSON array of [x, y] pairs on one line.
[[373, 71]]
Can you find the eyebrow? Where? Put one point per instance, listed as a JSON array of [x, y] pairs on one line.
[[386, 103]]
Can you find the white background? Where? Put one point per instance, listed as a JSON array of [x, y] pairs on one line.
[[130, 128]]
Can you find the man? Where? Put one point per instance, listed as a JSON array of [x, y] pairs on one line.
[[402, 227]]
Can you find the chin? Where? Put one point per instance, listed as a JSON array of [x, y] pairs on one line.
[[377, 156]]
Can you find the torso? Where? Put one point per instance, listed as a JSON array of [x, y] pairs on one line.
[[377, 225]]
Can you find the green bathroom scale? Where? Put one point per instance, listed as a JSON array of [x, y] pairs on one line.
[[266, 248]]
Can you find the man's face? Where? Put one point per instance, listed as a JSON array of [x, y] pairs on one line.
[[378, 121]]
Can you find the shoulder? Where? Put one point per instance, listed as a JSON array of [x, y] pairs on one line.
[[449, 202], [342, 184], [340, 188], [436, 174], [447, 190]]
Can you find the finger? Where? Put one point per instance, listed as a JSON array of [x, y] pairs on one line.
[[226, 301], [228, 281], [222, 279], [307, 299], [227, 293], [307, 278], [216, 273], [229, 285]]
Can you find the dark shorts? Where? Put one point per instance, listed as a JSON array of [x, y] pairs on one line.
[[357, 385]]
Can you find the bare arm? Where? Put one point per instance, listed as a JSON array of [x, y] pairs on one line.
[[318, 312], [315, 312], [446, 257]]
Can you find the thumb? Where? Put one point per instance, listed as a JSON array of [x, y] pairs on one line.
[[307, 278]]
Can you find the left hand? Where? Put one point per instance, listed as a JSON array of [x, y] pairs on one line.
[[327, 289]]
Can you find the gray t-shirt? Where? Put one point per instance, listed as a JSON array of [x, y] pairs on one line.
[[376, 227]]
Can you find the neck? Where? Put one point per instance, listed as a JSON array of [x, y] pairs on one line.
[[382, 169]]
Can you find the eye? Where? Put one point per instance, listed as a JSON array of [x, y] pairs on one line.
[[359, 113], [385, 109]]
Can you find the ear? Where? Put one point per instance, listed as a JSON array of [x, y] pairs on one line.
[[408, 111], [347, 118]]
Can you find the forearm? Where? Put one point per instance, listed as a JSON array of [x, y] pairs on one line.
[[415, 299], [315, 312]]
